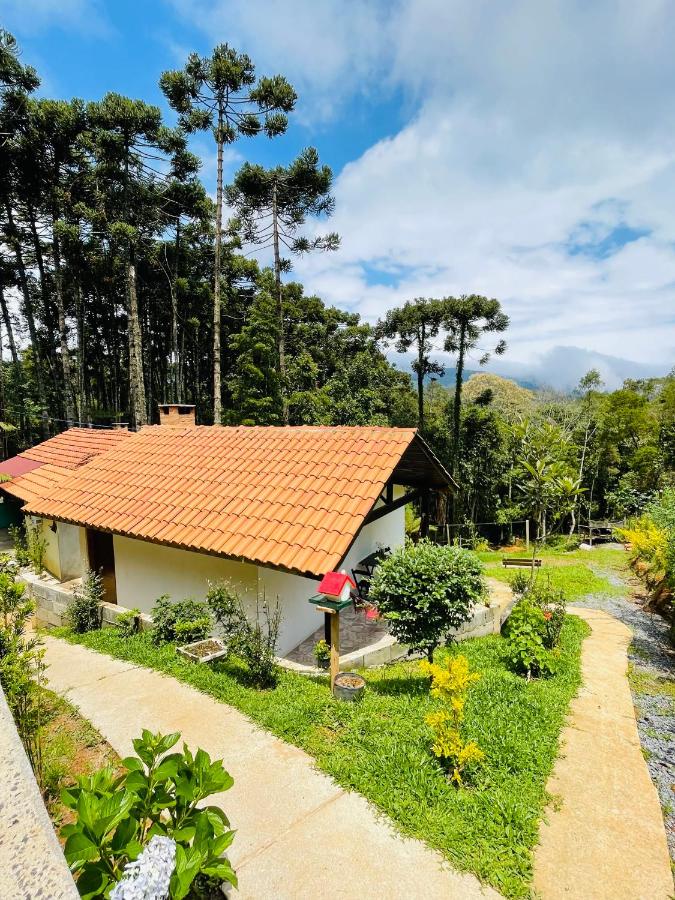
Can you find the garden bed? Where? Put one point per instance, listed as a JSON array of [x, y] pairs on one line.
[[72, 747], [381, 746]]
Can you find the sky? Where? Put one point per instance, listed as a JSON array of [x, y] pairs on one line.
[[524, 150]]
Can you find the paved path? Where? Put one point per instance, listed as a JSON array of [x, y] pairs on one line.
[[607, 838], [299, 835]]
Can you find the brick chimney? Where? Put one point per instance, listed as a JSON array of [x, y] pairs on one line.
[[176, 415]]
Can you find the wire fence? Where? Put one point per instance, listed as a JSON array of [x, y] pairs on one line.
[[467, 534]]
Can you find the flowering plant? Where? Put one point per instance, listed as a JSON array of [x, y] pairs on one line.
[[158, 795], [450, 683]]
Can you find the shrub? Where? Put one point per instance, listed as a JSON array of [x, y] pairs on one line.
[[520, 582], [127, 622], [84, 610], [157, 795], [526, 633], [450, 684], [21, 665], [258, 643], [254, 641], [18, 535], [227, 611], [184, 621], [552, 602], [425, 590], [36, 545]]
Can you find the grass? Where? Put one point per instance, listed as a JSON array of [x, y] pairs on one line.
[[569, 570], [71, 747], [381, 746]]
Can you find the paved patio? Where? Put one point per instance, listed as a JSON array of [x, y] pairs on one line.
[[356, 632]]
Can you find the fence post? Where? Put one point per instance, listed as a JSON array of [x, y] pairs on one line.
[[527, 534]]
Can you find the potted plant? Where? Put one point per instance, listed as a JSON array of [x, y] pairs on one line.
[[322, 654], [349, 686]]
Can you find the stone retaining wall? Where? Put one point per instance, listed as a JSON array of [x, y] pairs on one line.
[[52, 599], [31, 861]]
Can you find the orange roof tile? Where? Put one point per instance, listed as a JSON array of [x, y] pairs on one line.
[[292, 497]]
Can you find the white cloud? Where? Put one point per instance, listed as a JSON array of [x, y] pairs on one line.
[[536, 126]]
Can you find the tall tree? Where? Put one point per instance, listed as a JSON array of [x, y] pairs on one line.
[[127, 138], [273, 205], [220, 93], [467, 319], [416, 325]]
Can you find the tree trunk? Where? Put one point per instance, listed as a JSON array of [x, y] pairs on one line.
[[457, 410], [420, 381], [8, 326], [136, 384], [281, 343], [44, 292], [63, 330], [175, 370], [217, 386], [81, 356], [30, 318]]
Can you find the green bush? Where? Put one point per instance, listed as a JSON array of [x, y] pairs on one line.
[[84, 610], [520, 582], [127, 622], [21, 664], [525, 630], [425, 590], [184, 621], [18, 535], [158, 794], [36, 545], [253, 641]]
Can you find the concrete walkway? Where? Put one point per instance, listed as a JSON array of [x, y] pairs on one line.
[[605, 836], [299, 835]]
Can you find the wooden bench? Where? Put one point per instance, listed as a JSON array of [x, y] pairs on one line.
[[521, 561]]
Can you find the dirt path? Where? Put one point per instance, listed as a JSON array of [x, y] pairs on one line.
[[603, 836], [651, 660], [300, 836]]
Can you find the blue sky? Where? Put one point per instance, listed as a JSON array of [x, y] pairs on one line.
[[525, 151]]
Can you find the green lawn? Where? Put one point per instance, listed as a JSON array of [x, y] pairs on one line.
[[381, 746], [578, 572]]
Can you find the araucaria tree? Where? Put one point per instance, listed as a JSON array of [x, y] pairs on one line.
[[415, 325], [467, 319], [127, 137], [273, 205], [220, 93]]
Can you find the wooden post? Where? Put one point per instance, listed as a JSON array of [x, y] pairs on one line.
[[334, 647], [527, 534], [326, 627]]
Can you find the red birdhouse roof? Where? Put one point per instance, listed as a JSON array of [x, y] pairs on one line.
[[333, 582]]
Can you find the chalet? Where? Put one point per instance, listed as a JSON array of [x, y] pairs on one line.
[[175, 506]]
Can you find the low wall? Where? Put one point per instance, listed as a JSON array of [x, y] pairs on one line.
[[485, 620], [52, 599], [31, 861]]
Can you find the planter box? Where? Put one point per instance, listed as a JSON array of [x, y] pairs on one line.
[[203, 651]]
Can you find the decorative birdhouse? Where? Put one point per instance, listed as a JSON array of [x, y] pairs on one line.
[[335, 586]]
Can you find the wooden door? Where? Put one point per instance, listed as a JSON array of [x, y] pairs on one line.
[[102, 561]]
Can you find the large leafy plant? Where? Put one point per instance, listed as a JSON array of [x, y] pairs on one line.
[[425, 591], [182, 621], [159, 793]]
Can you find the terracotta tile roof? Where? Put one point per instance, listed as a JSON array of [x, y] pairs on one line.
[[292, 497], [37, 470], [76, 446]]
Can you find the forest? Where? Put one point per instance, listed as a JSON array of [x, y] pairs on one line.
[[123, 284]]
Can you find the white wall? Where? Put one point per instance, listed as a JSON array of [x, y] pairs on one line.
[[299, 617], [145, 571], [70, 550]]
